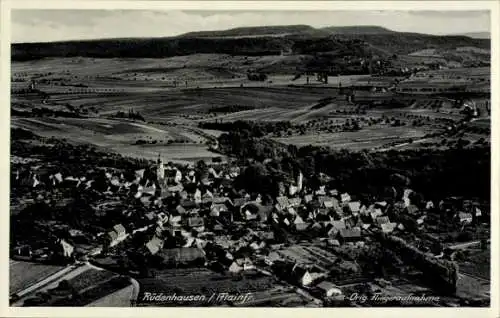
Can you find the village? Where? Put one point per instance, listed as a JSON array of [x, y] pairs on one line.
[[311, 244]]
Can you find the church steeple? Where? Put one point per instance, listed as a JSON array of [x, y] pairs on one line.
[[160, 170]]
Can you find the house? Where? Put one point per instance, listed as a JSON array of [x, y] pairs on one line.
[[175, 189], [255, 246], [175, 220], [316, 226], [272, 257], [120, 231], [375, 214], [351, 222], [139, 174], [328, 204], [190, 242], [321, 191], [294, 202], [335, 227], [146, 201], [477, 211], [345, 197], [329, 289], [350, 235], [354, 207], [207, 197], [183, 194], [429, 205], [237, 266], [217, 209], [308, 198], [406, 196], [180, 210], [214, 173], [321, 200], [388, 227], [197, 196], [177, 176], [75, 233], [286, 221], [113, 238], [195, 222], [302, 276], [291, 211], [222, 200], [154, 245], [412, 209], [382, 220], [189, 204], [67, 248], [283, 202], [333, 242], [465, 218], [254, 210], [299, 223], [58, 177], [381, 204]]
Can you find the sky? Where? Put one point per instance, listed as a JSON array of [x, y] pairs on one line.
[[40, 25]]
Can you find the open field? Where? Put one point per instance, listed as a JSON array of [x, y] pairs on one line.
[[179, 92], [128, 75], [23, 274], [90, 283], [472, 287], [368, 137], [295, 115], [164, 103], [121, 136], [120, 298], [310, 255], [477, 264]]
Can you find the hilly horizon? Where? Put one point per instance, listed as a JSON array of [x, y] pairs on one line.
[[297, 29], [262, 40], [477, 35]]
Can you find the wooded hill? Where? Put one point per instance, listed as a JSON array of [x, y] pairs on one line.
[[360, 40]]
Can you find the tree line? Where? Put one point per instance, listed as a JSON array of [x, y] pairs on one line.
[[436, 173]]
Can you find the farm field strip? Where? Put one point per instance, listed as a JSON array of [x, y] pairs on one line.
[[119, 298], [371, 135], [24, 274], [51, 282], [119, 136]]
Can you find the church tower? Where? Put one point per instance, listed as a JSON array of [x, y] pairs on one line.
[[300, 181], [160, 169]]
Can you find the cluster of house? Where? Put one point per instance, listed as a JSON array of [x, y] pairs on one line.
[[198, 206]]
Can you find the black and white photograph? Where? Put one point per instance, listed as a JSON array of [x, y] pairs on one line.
[[250, 158]]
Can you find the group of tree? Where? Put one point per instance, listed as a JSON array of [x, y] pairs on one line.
[[230, 109], [253, 76], [43, 112], [436, 173], [130, 115], [249, 128]]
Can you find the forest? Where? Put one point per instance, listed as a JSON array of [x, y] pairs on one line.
[[434, 173], [350, 44]]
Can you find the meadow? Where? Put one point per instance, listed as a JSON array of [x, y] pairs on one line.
[[23, 274], [175, 94]]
